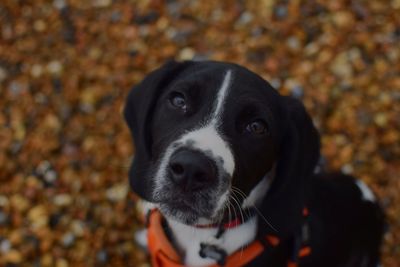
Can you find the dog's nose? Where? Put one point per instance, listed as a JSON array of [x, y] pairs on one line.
[[191, 170]]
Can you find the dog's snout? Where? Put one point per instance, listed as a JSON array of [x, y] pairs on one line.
[[191, 170]]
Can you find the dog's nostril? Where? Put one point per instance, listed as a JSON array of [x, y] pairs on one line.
[[177, 168], [200, 177]]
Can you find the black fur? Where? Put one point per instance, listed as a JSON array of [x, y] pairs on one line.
[[345, 230]]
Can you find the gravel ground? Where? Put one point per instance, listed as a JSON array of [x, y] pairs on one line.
[[67, 65]]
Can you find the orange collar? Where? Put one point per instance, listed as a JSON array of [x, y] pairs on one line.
[[163, 254]]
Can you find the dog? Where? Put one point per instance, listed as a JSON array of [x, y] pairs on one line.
[[230, 163]]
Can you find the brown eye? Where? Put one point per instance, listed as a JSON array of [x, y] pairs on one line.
[[257, 127], [178, 100]]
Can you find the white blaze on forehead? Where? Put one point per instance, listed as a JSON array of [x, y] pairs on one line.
[[223, 92]]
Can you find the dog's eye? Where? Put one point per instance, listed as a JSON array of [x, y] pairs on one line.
[[258, 127], [178, 100]]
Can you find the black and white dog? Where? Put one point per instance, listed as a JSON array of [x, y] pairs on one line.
[[214, 141]]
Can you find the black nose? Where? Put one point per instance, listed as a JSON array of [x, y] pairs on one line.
[[191, 170]]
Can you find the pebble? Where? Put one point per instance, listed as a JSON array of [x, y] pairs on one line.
[[54, 67], [347, 169], [62, 200], [101, 3], [47, 260], [102, 256], [59, 4], [245, 18], [43, 167], [68, 239], [276, 83], [3, 218], [118, 192], [3, 74], [78, 228], [13, 257], [381, 119], [343, 18], [61, 263], [174, 8], [293, 43], [186, 53], [3, 201], [36, 71], [16, 88], [295, 88], [39, 25], [5, 246], [281, 12], [38, 216], [341, 66], [19, 202], [297, 91], [50, 176]]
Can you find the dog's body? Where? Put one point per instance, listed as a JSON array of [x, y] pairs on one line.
[[214, 140]]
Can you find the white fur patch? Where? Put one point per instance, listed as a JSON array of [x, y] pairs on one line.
[[188, 239], [257, 193], [209, 140], [145, 206], [366, 193]]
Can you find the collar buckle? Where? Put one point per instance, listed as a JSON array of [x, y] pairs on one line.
[[213, 252]]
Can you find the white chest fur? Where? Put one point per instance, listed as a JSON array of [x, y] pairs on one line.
[[188, 240]]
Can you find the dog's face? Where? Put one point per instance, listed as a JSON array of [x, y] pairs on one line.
[[205, 129]]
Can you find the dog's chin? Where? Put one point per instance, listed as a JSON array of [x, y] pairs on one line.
[[184, 214]]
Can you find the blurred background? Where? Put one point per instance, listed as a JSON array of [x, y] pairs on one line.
[[66, 67]]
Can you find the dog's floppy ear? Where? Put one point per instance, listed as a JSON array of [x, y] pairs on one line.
[[297, 158], [138, 112]]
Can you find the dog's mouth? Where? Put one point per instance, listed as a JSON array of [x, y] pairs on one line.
[[190, 209], [180, 212], [203, 213]]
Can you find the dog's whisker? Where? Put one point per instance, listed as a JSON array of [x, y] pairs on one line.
[[229, 210], [233, 207], [256, 209], [235, 189], [265, 219], [237, 203], [238, 191], [234, 210], [243, 195], [221, 218]]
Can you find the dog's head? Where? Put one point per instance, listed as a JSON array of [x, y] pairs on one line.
[[205, 130]]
